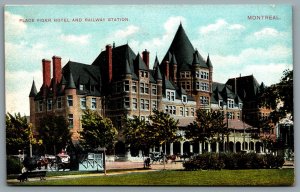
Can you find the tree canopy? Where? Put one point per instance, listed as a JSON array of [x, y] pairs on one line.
[[54, 132], [138, 133], [97, 131], [208, 126], [164, 127], [17, 133]]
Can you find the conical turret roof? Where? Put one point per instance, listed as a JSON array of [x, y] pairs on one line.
[[33, 90], [182, 48], [71, 84]]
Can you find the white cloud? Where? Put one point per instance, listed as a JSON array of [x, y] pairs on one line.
[[17, 93], [13, 24], [266, 65], [129, 30], [213, 27], [267, 32], [236, 27], [220, 24], [76, 39], [162, 43]]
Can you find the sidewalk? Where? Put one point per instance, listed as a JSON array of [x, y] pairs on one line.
[[126, 167]]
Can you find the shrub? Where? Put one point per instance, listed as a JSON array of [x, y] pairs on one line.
[[204, 162], [14, 165], [274, 161]]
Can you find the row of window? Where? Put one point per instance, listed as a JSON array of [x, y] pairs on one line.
[[230, 104], [198, 74], [144, 104], [202, 86], [182, 112], [202, 75], [59, 104], [144, 87]]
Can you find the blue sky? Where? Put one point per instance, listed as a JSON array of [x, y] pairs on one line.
[[236, 45]]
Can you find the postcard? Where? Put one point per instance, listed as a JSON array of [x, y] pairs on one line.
[[149, 95]]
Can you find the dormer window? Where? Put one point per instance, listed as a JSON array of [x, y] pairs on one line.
[[170, 95], [81, 87], [230, 103], [220, 103], [184, 98], [144, 74], [240, 105]]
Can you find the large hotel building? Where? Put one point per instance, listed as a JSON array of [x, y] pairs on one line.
[[120, 83]]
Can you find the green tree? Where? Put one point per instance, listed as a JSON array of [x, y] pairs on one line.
[[97, 131], [137, 133], [164, 128], [208, 127], [54, 132], [19, 134]]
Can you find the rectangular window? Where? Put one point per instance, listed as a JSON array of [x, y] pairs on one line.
[[81, 87], [147, 106], [197, 85], [126, 102], [203, 100], [154, 90], [146, 74], [166, 109], [197, 74], [83, 103], [172, 96], [181, 111], [134, 103], [70, 100], [220, 103], [182, 74], [142, 105], [94, 103], [187, 74], [186, 112], [174, 110], [134, 87], [58, 103], [184, 98], [188, 87], [154, 104], [142, 87], [192, 112], [230, 103], [169, 95], [147, 88], [126, 85], [71, 121], [40, 106], [49, 104], [204, 87]]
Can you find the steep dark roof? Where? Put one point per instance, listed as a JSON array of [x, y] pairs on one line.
[[71, 83], [208, 62], [157, 74], [173, 60], [139, 63], [156, 63], [168, 84], [120, 55], [182, 48], [247, 87], [200, 60], [128, 70], [33, 91]]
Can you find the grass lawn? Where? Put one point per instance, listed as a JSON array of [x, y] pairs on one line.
[[262, 177]]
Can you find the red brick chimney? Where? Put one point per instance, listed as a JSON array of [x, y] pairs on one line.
[[46, 76], [167, 70], [146, 57], [56, 61], [109, 62], [46, 72]]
